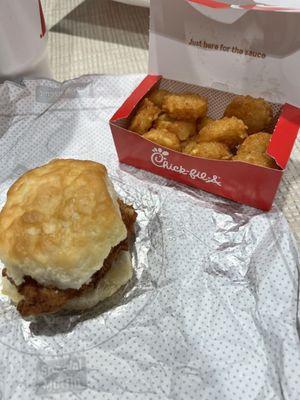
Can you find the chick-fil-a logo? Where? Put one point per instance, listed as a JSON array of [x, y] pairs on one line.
[[159, 158]]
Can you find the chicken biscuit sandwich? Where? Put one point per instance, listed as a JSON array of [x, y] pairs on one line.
[[64, 238]]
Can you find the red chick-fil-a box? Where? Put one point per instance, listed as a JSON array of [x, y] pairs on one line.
[[220, 50]]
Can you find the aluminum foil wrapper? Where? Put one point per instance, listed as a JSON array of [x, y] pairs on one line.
[[213, 309]]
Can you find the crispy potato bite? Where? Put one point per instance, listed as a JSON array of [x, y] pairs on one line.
[[182, 129], [256, 143], [253, 150], [165, 117], [157, 96], [187, 106], [164, 138], [230, 131], [144, 117], [260, 159], [204, 122], [184, 143], [212, 150], [256, 113]]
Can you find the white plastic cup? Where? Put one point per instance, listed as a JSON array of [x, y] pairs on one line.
[[23, 40]]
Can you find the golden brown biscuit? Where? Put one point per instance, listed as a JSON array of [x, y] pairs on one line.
[[187, 106], [256, 113], [253, 150], [183, 129], [230, 131], [145, 116], [212, 150], [204, 122], [59, 224], [32, 298], [157, 96], [163, 138]]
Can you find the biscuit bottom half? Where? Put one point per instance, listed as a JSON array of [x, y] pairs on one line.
[[117, 276]]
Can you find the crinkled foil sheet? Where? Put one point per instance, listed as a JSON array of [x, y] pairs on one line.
[[212, 310]]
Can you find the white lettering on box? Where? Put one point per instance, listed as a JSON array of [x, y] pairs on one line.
[[159, 158]]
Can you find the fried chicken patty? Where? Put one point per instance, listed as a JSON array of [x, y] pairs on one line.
[[39, 299]]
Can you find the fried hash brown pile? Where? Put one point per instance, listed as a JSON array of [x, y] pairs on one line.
[[180, 122]]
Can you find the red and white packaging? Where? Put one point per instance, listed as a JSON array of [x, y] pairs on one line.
[[23, 40], [219, 50]]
